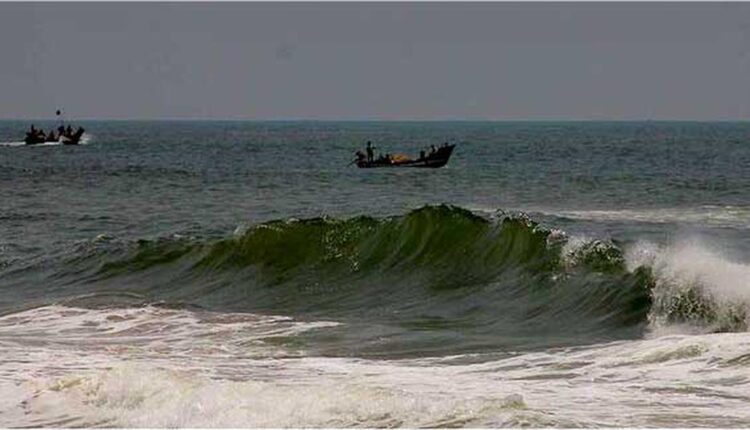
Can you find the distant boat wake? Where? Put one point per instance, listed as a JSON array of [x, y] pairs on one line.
[[85, 139]]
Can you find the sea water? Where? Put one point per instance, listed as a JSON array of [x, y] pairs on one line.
[[227, 273]]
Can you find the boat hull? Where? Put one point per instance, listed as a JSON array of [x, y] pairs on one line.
[[30, 140], [74, 139], [433, 161]]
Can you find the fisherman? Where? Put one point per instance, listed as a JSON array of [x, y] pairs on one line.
[[68, 131], [432, 149], [369, 151], [33, 130], [51, 136], [421, 154], [360, 156], [61, 130]]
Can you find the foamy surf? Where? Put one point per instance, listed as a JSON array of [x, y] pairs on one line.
[[712, 216], [696, 285], [150, 367]]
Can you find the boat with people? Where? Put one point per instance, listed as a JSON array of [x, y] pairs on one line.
[[436, 157], [65, 135]]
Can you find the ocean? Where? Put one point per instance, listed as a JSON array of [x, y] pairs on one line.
[[246, 274]]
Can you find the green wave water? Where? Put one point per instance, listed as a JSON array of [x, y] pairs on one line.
[[439, 278]]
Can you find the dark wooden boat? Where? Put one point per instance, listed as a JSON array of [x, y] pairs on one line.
[[64, 136], [439, 158], [65, 139], [31, 139]]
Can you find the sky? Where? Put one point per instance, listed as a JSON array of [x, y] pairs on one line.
[[376, 61]]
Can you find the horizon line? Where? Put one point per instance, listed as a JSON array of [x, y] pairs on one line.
[[230, 119]]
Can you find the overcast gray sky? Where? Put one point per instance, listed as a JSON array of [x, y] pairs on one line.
[[498, 61]]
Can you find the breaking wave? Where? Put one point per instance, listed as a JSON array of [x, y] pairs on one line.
[[439, 278]]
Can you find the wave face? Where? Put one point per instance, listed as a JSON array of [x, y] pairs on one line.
[[436, 280]]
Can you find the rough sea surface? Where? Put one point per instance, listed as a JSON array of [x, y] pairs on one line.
[[244, 274]]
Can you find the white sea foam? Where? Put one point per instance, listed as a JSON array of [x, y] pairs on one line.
[[572, 247], [713, 216], [36, 145], [690, 264], [175, 368], [707, 215]]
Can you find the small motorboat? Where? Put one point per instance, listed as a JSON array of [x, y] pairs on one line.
[[436, 159]]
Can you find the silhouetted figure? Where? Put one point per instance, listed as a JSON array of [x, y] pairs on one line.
[[370, 155], [421, 154], [68, 131]]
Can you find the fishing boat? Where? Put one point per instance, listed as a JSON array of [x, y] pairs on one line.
[[436, 159], [66, 136]]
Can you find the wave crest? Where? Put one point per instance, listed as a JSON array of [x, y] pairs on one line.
[[695, 285], [463, 282]]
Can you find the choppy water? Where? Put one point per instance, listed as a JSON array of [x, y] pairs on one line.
[[242, 274]]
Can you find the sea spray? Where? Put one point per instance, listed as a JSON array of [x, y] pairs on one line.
[[694, 285]]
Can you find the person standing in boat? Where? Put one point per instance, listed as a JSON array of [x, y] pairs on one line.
[[370, 155]]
